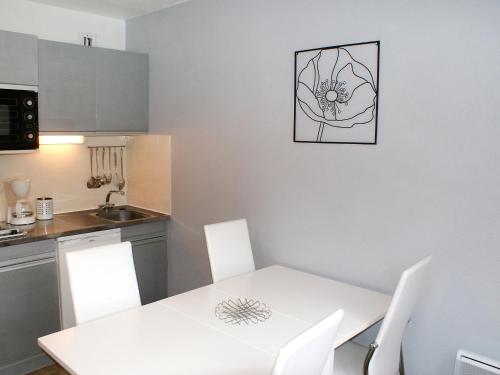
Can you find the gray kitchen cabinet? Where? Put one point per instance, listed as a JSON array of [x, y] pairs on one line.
[[90, 90], [29, 307], [20, 65], [149, 248], [122, 91], [67, 88]]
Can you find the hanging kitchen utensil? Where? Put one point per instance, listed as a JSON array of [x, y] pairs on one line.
[[96, 157], [121, 183], [103, 177], [90, 181], [97, 177], [109, 175], [116, 177]]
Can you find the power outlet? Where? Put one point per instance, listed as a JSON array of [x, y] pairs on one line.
[[88, 39]]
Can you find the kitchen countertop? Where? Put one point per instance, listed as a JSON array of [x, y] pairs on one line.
[[77, 222]]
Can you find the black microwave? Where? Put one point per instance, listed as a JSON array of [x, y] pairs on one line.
[[18, 120]]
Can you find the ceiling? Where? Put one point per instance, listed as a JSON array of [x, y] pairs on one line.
[[121, 9]]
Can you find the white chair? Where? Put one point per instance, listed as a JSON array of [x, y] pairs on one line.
[[308, 352], [229, 249], [102, 281], [384, 357]]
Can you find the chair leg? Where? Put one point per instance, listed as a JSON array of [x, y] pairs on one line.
[[368, 357], [401, 362]]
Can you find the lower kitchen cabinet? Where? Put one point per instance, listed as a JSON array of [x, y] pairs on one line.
[[29, 293], [29, 308], [150, 259], [149, 248]]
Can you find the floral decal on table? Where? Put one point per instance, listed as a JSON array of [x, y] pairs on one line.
[[336, 94], [242, 311]]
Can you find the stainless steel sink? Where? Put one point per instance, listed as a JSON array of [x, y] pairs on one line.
[[120, 214]]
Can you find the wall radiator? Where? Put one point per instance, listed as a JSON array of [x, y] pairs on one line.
[[468, 363]]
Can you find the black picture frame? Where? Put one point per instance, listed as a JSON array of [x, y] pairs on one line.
[[374, 82]]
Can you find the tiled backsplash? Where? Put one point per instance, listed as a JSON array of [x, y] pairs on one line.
[[60, 172], [148, 171]]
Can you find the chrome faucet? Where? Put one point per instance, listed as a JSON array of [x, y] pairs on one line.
[[108, 205]]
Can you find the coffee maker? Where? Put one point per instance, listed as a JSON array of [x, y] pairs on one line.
[[22, 212]]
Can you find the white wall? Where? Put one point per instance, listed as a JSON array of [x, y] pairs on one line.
[[222, 85], [60, 24]]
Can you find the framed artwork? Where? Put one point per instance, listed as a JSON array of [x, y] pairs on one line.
[[336, 94]]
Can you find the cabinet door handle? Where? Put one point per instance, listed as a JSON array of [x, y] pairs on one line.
[[28, 264], [148, 240]]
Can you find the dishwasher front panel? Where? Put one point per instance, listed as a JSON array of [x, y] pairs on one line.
[[75, 243]]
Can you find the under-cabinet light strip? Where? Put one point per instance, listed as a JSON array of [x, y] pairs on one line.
[[62, 139]]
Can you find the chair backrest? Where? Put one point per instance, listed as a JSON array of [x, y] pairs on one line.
[[385, 360], [308, 352], [102, 281], [229, 249]]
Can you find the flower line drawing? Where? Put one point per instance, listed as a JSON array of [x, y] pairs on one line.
[[335, 89]]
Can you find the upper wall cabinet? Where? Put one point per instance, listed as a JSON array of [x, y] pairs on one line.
[[86, 89], [20, 65], [122, 91], [67, 90]]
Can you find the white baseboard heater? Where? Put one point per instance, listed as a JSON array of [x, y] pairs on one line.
[[468, 363]]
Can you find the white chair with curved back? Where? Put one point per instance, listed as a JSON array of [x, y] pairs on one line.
[[384, 356], [308, 352], [102, 281], [229, 249]]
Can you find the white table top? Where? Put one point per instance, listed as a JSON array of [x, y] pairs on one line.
[[311, 298], [181, 335]]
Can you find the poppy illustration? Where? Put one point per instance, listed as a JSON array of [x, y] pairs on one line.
[[336, 90]]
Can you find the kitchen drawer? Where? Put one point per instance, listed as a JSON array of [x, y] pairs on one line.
[[144, 231], [28, 249]]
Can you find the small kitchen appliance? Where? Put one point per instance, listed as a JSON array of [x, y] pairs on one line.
[[18, 119], [22, 213]]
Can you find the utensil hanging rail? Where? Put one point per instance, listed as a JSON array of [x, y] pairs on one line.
[[112, 147]]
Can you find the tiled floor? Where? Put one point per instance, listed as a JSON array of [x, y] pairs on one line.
[[51, 370]]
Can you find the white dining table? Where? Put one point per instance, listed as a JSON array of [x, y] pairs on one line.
[[182, 335]]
